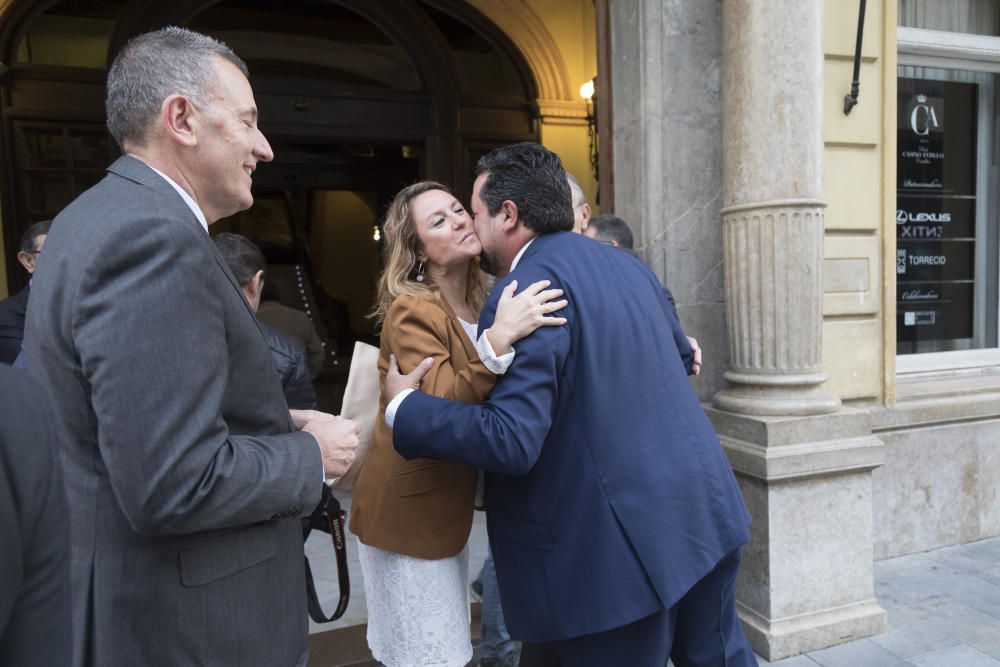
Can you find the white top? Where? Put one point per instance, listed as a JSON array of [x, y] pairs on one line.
[[470, 331]]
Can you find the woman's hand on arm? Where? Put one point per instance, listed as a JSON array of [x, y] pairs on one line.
[[518, 316]]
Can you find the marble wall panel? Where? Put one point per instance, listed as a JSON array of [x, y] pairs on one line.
[[852, 357], [927, 495], [852, 182], [820, 554]]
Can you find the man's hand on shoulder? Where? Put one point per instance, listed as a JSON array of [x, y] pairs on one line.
[[396, 383], [337, 438], [696, 351]]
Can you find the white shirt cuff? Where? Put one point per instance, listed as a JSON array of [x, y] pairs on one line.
[[322, 468], [390, 410], [496, 365]]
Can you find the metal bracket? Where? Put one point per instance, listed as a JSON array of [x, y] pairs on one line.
[[852, 98]]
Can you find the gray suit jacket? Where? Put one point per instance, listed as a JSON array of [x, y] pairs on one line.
[[183, 474]]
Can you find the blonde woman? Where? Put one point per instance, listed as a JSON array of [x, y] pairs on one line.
[[412, 518]]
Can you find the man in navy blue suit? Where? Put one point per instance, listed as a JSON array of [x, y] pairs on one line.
[[615, 521]]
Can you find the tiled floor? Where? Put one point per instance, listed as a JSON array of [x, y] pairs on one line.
[[944, 611], [943, 605]]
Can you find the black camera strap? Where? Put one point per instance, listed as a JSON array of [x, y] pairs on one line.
[[334, 515]]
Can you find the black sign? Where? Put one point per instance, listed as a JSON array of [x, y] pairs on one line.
[[935, 209], [936, 137], [935, 217], [934, 311], [928, 261]]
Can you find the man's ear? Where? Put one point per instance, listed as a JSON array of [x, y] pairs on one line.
[[179, 119], [586, 212], [508, 216], [256, 284], [27, 260]]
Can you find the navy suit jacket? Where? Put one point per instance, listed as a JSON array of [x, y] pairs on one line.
[[12, 312], [608, 493]]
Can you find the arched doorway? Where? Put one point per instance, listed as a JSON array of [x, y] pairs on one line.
[[357, 98]]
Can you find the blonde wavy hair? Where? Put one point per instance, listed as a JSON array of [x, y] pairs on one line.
[[401, 248]]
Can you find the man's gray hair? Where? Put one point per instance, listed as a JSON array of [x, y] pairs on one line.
[[575, 190], [154, 66]]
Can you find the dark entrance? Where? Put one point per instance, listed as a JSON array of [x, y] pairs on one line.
[[358, 98]]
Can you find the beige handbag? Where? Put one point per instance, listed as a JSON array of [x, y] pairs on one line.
[[361, 402]]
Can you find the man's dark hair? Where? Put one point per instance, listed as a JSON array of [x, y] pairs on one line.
[[612, 228], [243, 257], [532, 177], [29, 240]]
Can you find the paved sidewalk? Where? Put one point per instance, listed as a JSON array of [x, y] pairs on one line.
[[944, 605], [944, 611]]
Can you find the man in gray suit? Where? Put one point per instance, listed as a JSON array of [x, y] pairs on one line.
[[185, 473]]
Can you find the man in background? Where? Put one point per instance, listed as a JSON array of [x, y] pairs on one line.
[[184, 472], [293, 324], [12, 310], [581, 209], [247, 262], [612, 230]]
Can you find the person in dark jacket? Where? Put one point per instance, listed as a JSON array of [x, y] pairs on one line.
[[34, 559], [13, 309], [247, 262]]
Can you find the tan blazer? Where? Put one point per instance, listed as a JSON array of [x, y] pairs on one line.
[[421, 507]]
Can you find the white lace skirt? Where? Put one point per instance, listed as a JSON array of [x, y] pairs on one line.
[[418, 610]]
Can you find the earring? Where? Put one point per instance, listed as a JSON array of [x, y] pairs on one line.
[[420, 273]]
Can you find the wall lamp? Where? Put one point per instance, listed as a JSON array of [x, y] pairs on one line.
[[588, 93], [851, 99]]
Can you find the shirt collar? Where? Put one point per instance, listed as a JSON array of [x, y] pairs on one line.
[[517, 257], [192, 204]]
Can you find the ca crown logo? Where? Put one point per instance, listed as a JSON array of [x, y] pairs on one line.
[[923, 117]]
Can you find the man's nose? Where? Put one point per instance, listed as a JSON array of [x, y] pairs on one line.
[[262, 149]]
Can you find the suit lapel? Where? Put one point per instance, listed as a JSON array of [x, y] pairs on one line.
[[139, 172], [232, 281]]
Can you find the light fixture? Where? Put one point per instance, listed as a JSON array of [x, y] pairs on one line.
[[376, 233], [588, 93], [851, 98]]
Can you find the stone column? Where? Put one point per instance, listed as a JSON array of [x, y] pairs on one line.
[[804, 463], [772, 207]]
